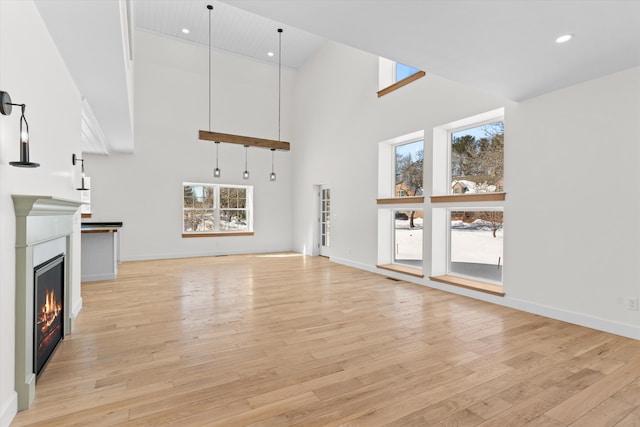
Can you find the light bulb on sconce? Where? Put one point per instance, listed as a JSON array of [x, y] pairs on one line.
[[5, 109]]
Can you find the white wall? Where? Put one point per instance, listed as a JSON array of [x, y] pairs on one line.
[[32, 71], [573, 153], [144, 190], [572, 238]]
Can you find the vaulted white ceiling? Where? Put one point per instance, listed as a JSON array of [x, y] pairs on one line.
[[503, 47], [232, 29], [506, 48]]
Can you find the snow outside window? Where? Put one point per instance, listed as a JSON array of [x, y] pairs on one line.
[[468, 159], [408, 237], [475, 244], [213, 208]]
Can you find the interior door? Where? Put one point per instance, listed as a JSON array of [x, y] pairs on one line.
[[324, 218]]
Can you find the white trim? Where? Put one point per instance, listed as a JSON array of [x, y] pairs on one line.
[[92, 136], [386, 161], [386, 72], [9, 411], [217, 208], [358, 265], [39, 220], [98, 277], [442, 142], [76, 309], [580, 319], [588, 321], [201, 254]]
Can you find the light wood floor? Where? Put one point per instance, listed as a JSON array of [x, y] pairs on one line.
[[291, 340]]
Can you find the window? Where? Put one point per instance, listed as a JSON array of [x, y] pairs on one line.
[[468, 179], [409, 160], [477, 159], [401, 204], [325, 218], [475, 244], [407, 237], [217, 209], [394, 75], [403, 71]]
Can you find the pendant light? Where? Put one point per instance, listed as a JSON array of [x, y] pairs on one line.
[[245, 174], [216, 171], [272, 177], [218, 137]]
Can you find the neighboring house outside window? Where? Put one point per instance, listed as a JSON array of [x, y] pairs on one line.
[[469, 178]]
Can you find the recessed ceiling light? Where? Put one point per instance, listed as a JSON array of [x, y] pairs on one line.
[[185, 30], [564, 38], [270, 53]]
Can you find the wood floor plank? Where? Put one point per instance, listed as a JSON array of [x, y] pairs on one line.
[[284, 339], [580, 403]]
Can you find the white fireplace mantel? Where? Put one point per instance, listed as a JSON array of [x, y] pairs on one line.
[[39, 219]]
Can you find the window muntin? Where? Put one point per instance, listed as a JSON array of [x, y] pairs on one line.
[[213, 208], [476, 244], [477, 159], [407, 237], [409, 171]]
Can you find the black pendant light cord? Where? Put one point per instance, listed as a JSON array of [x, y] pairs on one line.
[[279, 77], [210, 9]]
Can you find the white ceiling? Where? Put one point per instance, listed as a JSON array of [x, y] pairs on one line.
[[232, 29], [89, 35], [502, 47]]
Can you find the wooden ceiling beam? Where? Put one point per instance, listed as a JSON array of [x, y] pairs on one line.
[[243, 140]]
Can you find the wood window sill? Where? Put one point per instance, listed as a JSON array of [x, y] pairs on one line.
[[411, 271], [475, 197], [400, 200], [476, 285], [238, 233], [403, 82]]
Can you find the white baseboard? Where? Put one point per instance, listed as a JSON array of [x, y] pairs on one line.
[[76, 309], [9, 410], [196, 254], [97, 277], [593, 322], [582, 319]]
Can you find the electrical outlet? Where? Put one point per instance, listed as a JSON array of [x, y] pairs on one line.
[[632, 304]]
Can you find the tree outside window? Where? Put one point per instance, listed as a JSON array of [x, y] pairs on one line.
[[477, 159], [212, 208], [409, 172]]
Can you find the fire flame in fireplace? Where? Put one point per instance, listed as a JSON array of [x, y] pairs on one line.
[[49, 311]]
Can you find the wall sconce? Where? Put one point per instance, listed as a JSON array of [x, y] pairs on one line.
[[5, 109], [74, 160]]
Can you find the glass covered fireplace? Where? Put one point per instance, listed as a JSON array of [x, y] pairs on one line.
[[48, 322]]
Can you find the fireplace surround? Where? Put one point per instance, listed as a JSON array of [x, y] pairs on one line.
[[45, 227]]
